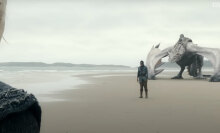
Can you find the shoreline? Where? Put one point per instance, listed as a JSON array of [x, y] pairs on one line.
[[48, 86]]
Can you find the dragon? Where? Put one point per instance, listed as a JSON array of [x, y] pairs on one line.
[[184, 53]]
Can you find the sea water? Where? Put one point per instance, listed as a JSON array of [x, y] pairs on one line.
[[46, 82]]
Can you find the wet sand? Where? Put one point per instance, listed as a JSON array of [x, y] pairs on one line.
[[111, 105]]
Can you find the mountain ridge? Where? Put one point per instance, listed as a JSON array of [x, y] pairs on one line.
[[56, 64]]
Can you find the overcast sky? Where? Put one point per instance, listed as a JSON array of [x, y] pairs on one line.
[[103, 31]]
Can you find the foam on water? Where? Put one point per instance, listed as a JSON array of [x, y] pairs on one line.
[[54, 86]]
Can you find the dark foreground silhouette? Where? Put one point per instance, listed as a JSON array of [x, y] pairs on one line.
[[19, 112]]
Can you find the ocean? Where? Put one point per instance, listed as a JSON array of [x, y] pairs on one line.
[[45, 82]]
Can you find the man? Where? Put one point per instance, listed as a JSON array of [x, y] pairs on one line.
[[183, 40], [142, 77], [180, 47]]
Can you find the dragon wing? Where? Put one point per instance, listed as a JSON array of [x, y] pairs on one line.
[[154, 60]]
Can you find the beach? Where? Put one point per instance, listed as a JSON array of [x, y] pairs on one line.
[[108, 102], [78, 62]]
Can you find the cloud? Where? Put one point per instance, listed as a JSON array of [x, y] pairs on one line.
[[103, 32]]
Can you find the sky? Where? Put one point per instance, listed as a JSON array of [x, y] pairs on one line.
[[119, 32]]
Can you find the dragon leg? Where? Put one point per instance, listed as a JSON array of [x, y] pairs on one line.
[[179, 76]]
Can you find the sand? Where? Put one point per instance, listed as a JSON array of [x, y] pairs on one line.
[[110, 104]]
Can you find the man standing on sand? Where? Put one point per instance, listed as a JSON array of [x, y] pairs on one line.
[[142, 77]]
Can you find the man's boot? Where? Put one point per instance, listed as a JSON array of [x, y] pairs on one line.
[[146, 94], [141, 94]]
